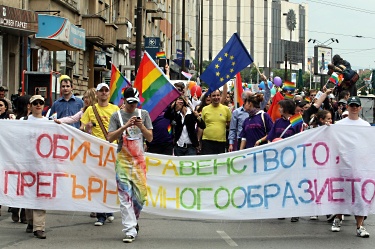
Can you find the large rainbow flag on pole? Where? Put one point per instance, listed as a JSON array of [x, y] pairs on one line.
[[117, 84], [156, 92]]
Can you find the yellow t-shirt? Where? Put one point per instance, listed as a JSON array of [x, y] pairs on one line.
[[105, 114], [216, 119]]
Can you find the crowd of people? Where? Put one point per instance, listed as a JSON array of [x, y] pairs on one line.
[[190, 125]]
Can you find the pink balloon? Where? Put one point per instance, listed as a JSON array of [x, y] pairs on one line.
[[196, 90], [277, 81]]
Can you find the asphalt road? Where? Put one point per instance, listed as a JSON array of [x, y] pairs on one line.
[[77, 230]]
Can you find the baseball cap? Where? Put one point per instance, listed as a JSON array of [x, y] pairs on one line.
[[65, 77], [35, 97], [131, 95], [343, 101], [354, 100], [101, 85]]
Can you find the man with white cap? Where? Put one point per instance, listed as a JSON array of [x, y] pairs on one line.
[[96, 118], [68, 104], [353, 108], [131, 126]]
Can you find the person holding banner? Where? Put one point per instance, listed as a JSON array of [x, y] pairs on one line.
[[130, 125], [354, 108], [36, 218]]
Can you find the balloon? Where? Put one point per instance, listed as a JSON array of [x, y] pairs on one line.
[[273, 91], [261, 85], [277, 81], [196, 90], [270, 85], [191, 84]]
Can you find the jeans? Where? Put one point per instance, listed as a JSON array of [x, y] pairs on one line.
[[181, 151]]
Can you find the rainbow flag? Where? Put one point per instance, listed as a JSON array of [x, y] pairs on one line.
[[117, 85], [288, 96], [289, 86], [156, 92], [160, 55], [296, 119], [336, 78], [239, 89], [187, 75], [308, 99]]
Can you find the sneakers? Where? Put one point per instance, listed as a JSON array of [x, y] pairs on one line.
[[294, 219], [40, 234], [29, 228], [110, 218], [361, 232], [336, 225], [313, 217], [99, 223], [128, 239]]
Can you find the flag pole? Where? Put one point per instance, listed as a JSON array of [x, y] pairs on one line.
[[235, 92]]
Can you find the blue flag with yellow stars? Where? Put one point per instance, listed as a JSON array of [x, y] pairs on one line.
[[232, 59]]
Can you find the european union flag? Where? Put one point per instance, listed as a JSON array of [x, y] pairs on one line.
[[232, 59]]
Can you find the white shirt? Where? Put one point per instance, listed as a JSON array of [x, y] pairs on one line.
[[31, 117], [184, 138], [347, 121]]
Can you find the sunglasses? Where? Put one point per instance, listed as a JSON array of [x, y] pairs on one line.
[[35, 103], [104, 90], [354, 105]]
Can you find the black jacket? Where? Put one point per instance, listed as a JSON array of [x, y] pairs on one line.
[[190, 122]]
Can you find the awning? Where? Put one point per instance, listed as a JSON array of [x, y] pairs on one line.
[[57, 33]]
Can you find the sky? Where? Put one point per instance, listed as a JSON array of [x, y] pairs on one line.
[[343, 20]]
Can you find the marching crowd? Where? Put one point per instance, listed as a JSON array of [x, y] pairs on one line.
[[188, 126]]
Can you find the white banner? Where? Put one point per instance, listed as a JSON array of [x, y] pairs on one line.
[[320, 171]]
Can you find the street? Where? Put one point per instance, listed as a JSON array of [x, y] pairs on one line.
[[76, 230]]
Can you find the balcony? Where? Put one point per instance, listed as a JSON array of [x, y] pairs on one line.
[[71, 4], [110, 39], [124, 32], [151, 6], [157, 16], [95, 28]]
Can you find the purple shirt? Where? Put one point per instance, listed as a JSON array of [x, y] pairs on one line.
[[162, 131], [279, 127], [254, 129]]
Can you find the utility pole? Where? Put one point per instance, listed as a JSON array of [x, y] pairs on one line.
[[201, 43], [138, 38], [183, 36]]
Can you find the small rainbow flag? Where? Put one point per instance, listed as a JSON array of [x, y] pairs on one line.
[[156, 92], [308, 99], [160, 55], [116, 86], [169, 128], [288, 96], [336, 78], [296, 119], [289, 86]]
